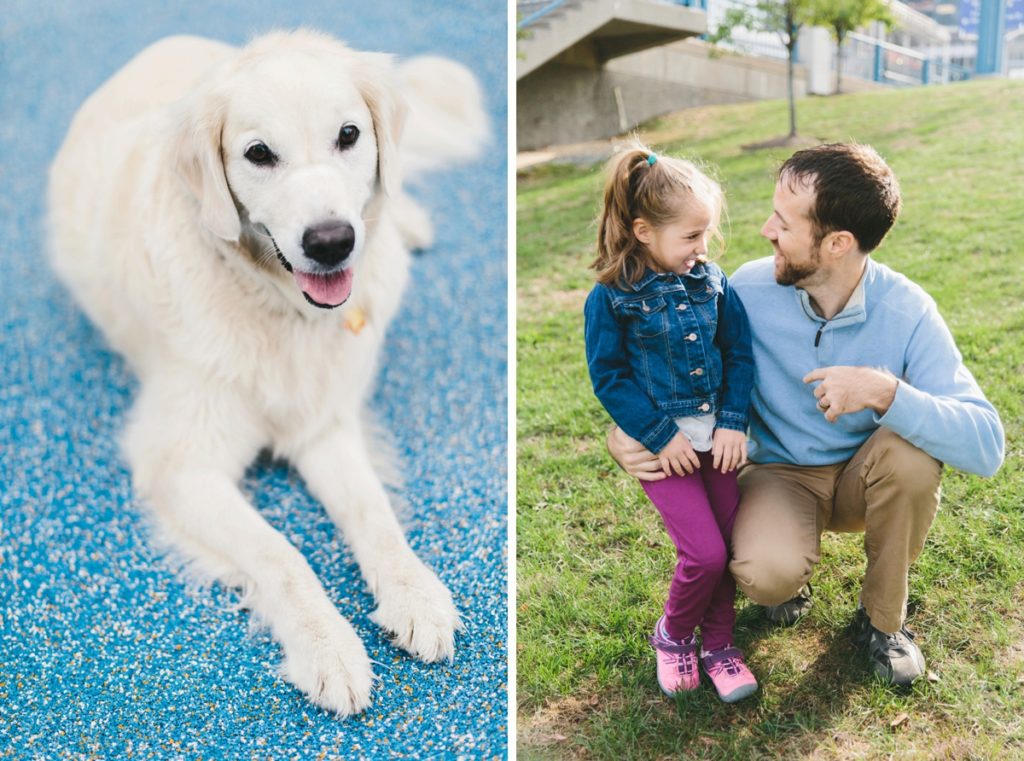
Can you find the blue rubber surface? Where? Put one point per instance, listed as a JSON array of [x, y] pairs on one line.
[[105, 650]]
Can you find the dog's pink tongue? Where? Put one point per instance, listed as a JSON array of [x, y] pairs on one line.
[[328, 290]]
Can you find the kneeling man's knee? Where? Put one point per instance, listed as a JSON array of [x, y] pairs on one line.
[[770, 576]]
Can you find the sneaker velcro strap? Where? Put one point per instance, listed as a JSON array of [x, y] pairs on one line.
[[675, 647], [719, 656]]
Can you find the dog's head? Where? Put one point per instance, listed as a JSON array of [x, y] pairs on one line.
[[286, 147]]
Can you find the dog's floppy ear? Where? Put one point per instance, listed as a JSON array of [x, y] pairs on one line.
[[200, 163], [375, 76]]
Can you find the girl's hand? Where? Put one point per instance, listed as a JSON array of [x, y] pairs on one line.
[[729, 448], [678, 456]]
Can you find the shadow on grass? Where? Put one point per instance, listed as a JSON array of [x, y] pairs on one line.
[[804, 691]]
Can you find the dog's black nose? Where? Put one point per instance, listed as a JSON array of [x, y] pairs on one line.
[[330, 243]]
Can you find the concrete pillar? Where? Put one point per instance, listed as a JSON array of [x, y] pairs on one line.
[[817, 53], [991, 29]]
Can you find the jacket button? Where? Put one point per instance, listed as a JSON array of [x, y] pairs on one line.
[[691, 337], [647, 308], [681, 308], [698, 371], [705, 407]]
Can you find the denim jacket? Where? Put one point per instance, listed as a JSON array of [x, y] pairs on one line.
[[670, 346]]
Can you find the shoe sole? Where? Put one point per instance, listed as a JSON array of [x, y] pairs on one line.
[[739, 693]]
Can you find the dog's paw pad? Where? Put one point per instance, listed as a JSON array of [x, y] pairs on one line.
[[422, 618]]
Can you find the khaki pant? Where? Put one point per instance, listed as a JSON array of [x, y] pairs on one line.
[[889, 490]]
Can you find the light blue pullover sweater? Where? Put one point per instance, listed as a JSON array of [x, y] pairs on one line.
[[890, 323]]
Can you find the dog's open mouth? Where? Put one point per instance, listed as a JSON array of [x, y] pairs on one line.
[[325, 291]]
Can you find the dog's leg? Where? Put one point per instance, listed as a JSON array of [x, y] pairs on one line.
[[186, 463], [412, 602]]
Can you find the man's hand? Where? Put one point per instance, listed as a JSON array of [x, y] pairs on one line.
[[846, 389], [678, 456], [728, 449], [633, 457]]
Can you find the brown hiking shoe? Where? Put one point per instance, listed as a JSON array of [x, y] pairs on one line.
[[791, 611]]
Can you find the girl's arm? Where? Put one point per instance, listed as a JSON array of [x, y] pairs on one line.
[[613, 382], [733, 338]]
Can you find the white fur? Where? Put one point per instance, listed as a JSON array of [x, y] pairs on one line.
[[159, 230]]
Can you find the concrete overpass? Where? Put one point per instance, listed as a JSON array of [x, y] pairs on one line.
[[566, 91], [600, 30]]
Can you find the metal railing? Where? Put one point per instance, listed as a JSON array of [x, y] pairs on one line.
[[880, 61], [531, 11], [745, 41], [862, 56]]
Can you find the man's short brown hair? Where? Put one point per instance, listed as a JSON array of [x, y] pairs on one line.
[[854, 190]]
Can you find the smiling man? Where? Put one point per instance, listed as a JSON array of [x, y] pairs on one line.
[[860, 397]]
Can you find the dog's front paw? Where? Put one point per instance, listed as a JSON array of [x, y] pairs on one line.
[[331, 666], [422, 617]]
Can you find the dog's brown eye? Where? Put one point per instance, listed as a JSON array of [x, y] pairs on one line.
[[347, 136], [260, 154]]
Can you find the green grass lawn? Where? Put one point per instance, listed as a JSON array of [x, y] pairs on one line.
[[594, 560]]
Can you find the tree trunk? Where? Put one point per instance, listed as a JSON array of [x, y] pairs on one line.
[[789, 84], [791, 47], [839, 62]]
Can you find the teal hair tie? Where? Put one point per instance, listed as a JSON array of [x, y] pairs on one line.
[[651, 159]]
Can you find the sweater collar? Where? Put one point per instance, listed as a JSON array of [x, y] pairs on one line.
[[855, 310]]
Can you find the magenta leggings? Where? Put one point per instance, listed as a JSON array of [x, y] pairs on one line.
[[699, 511]]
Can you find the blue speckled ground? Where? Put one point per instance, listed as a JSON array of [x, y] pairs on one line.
[[105, 652]]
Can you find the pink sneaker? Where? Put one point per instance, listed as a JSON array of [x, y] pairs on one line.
[[727, 670], [677, 660]]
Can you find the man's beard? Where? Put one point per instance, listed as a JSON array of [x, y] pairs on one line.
[[792, 274]]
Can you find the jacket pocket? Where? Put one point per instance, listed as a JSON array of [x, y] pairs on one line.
[[703, 294], [705, 302], [648, 317]]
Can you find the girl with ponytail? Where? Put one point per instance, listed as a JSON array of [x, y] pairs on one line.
[[668, 349]]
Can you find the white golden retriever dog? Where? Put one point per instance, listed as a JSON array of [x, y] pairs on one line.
[[232, 219]]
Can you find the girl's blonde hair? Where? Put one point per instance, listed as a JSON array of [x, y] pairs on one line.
[[657, 190]]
